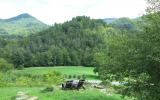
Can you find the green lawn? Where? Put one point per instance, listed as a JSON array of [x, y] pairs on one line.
[[7, 93], [67, 70], [89, 94]]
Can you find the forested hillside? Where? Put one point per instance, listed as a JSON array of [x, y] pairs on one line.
[[70, 43], [74, 42], [22, 25]]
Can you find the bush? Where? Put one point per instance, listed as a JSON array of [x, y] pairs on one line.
[[74, 76], [48, 89], [8, 79], [66, 76], [24, 81], [78, 77], [5, 66], [83, 77], [53, 77], [20, 67], [69, 76]]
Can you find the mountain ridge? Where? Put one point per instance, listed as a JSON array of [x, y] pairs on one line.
[[109, 20], [18, 17], [23, 24]]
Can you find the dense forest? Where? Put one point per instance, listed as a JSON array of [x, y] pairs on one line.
[[71, 43]]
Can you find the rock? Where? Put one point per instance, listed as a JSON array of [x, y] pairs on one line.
[[33, 98], [99, 87], [103, 90], [20, 93], [94, 81], [24, 96], [21, 96]]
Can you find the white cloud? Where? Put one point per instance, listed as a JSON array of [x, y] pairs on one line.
[[51, 11]]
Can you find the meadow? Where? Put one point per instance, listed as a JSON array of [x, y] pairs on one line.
[[65, 70], [57, 94], [90, 93]]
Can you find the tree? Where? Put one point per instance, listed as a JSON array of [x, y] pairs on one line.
[[153, 6], [134, 60]]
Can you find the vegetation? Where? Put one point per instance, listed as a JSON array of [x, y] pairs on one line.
[[22, 25], [71, 43], [34, 82], [28, 80], [5, 66], [44, 76], [126, 24], [67, 71], [134, 61], [89, 94], [123, 50]]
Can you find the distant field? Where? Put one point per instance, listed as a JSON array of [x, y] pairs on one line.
[[88, 94], [66, 70]]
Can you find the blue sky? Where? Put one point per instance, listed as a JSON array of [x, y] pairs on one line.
[[51, 11]]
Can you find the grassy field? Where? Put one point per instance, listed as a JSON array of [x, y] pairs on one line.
[[89, 94], [67, 70]]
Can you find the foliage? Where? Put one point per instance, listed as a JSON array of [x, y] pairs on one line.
[[48, 89], [30, 80], [153, 6], [22, 25], [53, 77], [5, 66], [125, 24], [123, 51], [134, 60], [70, 43]]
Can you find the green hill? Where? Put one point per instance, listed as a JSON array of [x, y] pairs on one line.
[[22, 25], [70, 43], [73, 42]]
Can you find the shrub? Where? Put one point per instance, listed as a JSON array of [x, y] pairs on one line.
[[74, 76], [1, 80], [5, 66], [65, 76], [53, 77], [20, 67], [69, 76], [83, 77], [78, 77], [24, 81], [48, 89]]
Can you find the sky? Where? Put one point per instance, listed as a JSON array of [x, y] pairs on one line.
[[58, 11]]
